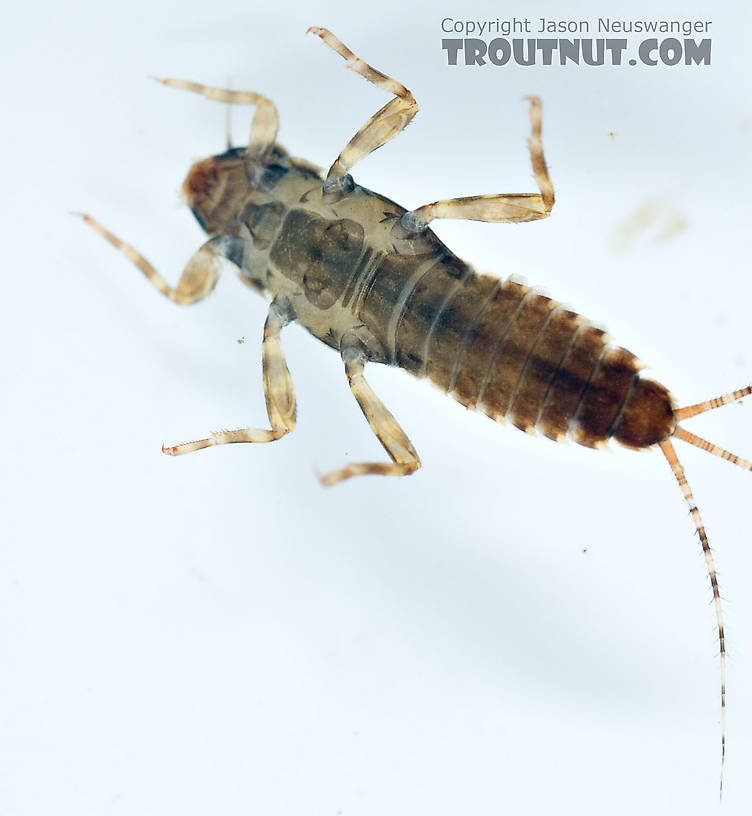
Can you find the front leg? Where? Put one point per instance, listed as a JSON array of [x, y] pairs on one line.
[[265, 122], [384, 125]]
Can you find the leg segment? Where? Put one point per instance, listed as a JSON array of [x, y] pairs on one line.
[[381, 127], [265, 123], [278, 390], [512, 207], [199, 276], [404, 458]]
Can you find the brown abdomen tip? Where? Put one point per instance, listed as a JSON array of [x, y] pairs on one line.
[[648, 416]]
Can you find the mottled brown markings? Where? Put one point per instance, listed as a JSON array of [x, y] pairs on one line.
[[318, 254], [605, 396], [570, 380], [422, 308], [421, 245], [263, 221], [574, 428], [397, 307], [366, 281], [381, 293], [487, 289], [441, 316], [492, 326], [611, 432], [451, 330], [215, 190], [388, 216], [648, 417], [538, 373], [545, 360], [576, 326], [201, 178], [517, 304], [359, 279], [522, 410], [270, 177], [507, 348], [512, 353]]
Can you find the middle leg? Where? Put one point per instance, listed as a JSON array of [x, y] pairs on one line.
[[278, 390], [509, 207]]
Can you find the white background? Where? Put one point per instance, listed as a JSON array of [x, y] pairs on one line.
[[521, 626]]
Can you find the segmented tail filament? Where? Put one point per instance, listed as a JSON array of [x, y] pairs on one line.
[[668, 451]]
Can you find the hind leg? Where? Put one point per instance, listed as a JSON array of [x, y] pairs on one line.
[[401, 451]]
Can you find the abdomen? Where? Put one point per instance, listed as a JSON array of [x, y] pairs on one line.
[[502, 348]]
